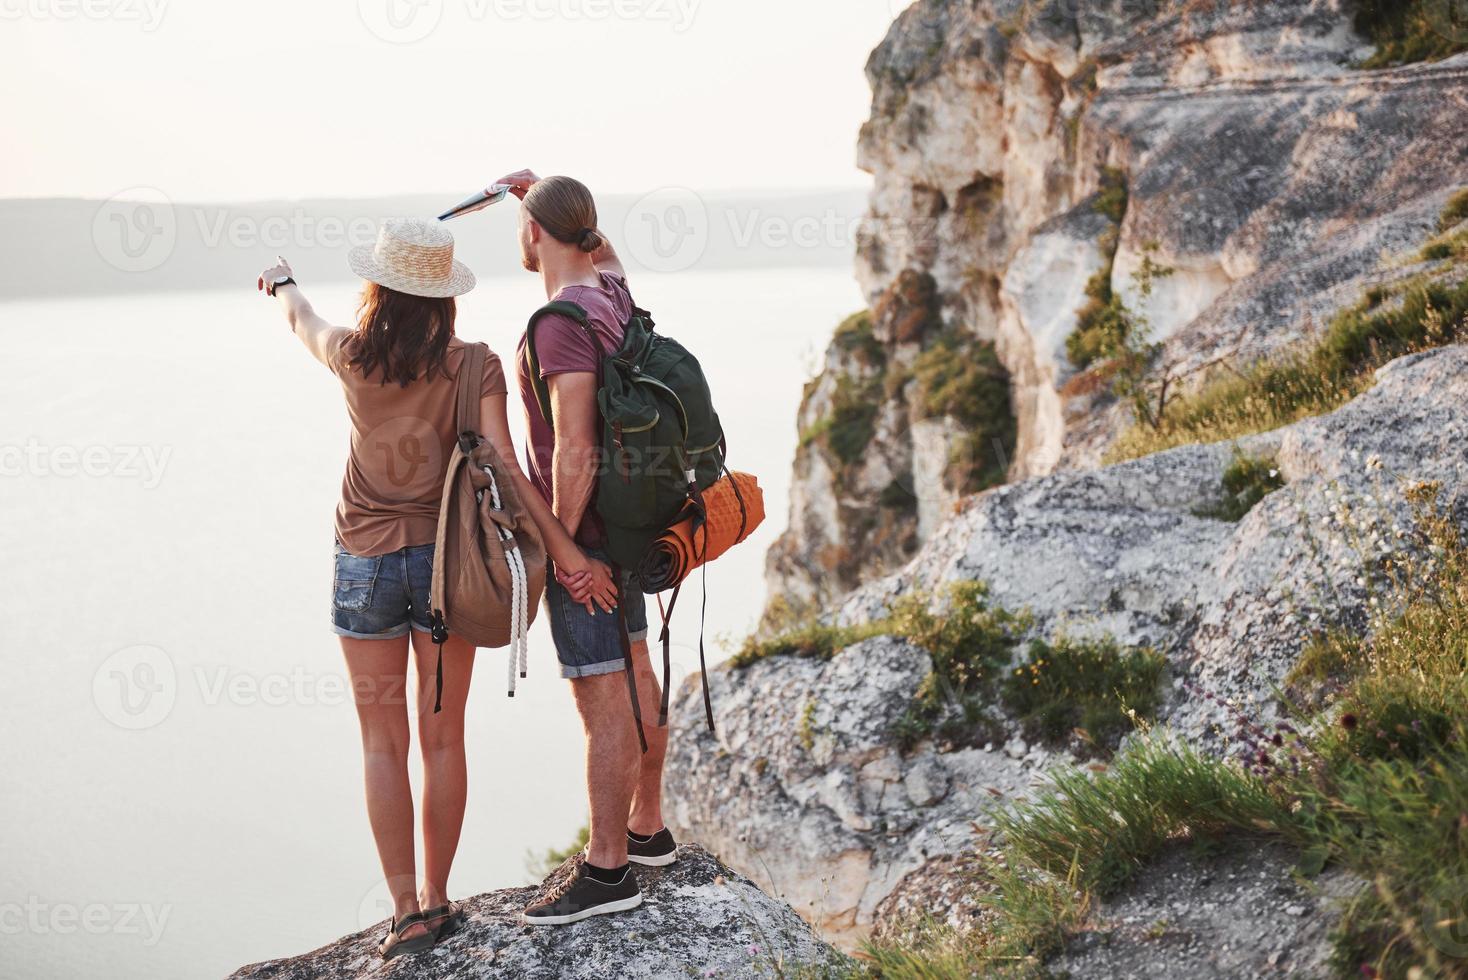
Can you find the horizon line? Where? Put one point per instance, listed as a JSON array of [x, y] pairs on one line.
[[725, 191]]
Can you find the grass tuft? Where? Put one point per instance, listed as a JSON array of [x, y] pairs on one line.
[[1246, 481], [1085, 685], [1310, 381]]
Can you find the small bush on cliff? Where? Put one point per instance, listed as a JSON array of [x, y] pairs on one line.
[[1088, 685], [1102, 324], [851, 424], [971, 642], [811, 640], [1246, 481], [1408, 31], [1454, 212], [855, 336], [961, 378], [539, 866], [1310, 380]]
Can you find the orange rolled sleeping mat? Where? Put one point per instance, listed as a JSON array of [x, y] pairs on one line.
[[732, 508]]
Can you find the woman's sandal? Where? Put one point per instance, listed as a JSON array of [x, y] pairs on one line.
[[394, 944], [445, 920]]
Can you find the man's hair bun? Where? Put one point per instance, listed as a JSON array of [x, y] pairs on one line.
[[591, 240]]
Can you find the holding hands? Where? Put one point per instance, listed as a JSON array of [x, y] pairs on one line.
[[589, 581]]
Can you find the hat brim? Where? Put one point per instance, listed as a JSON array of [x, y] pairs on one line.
[[364, 263]]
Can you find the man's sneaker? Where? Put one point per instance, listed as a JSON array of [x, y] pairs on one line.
[[655, 852], [581, 896]]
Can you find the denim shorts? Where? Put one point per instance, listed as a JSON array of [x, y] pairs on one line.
[[379, 598], [589, 645]]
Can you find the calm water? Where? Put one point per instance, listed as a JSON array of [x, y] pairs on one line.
[[182, 790]]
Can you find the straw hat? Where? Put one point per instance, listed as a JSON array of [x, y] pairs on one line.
[[415, 257]]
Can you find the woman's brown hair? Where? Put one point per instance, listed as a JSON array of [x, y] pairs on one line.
[[566, 210], [405, 336]]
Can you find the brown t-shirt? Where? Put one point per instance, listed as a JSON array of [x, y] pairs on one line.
[[401, 442], [562, 347]]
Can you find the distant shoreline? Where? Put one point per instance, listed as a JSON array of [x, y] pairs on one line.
[[61, 247]]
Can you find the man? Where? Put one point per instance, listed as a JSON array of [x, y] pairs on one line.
[[560, 240]]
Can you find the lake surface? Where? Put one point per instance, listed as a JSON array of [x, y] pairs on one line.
[[180, 754]]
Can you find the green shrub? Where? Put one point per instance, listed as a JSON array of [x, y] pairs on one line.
[[812, 640], [1246, 481], [855, 336], [1111, 200], [1308, 381], [1082, 684], [1454, 212], [962, 379], [1408, 31], [1102, 324], [971, 642], [1335, 655], [852, 421], [539, 866]]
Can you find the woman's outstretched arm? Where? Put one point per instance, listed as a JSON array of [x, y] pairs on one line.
[[319, 336], [564, 551]]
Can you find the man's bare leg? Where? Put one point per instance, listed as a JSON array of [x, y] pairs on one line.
[[612, 766], [646, 817]]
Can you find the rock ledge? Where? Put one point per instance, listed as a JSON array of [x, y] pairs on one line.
[[698, 918]]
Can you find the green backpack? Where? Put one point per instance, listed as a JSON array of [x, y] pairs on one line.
[[662, 446]]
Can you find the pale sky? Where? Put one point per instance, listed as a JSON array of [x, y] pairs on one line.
[[207, 100]]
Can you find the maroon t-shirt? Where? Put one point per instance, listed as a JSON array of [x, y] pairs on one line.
[[564, 348]]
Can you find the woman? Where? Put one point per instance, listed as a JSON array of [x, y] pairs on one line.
[[398, 370]]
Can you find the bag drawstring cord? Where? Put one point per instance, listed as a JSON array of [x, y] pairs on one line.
[[519, 591]]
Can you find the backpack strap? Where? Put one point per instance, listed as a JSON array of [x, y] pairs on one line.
[[573, 312], [627, 658], [466, 430]]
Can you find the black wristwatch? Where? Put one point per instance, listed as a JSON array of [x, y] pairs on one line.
[[270, 288]]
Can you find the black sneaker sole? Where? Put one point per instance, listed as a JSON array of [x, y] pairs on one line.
[[607, 908]]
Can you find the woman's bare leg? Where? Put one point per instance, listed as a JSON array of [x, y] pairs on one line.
[[378, 670], [445, 772]]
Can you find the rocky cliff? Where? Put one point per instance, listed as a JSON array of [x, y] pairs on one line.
[[811, 786], [698, 918], [1221, 176], [1194, 224]]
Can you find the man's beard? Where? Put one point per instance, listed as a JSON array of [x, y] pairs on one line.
[[529, 261]]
